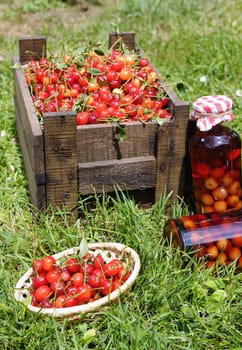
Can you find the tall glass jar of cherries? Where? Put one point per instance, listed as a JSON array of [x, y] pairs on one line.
[[215, 153]]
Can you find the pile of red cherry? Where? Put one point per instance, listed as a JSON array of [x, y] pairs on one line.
[[76, 281], [117, 86]]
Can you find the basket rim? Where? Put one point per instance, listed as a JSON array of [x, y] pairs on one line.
[[21, 292]]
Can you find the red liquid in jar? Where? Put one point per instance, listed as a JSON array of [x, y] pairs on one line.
[[216, 169]]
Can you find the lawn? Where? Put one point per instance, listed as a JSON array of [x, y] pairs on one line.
[[175, 304]]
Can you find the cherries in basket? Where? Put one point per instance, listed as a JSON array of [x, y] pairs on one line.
[[76, 280]]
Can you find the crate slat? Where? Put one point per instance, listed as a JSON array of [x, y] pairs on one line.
[[136, 173], [30, 137], [140, 139], [95, 142], [103, 141]]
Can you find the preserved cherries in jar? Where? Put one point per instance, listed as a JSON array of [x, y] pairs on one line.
[[215, 153], [214, 237]]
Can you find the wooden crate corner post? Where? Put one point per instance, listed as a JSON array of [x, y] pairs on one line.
[[172, 152], [60, 135], [127, 38], [32, 48]]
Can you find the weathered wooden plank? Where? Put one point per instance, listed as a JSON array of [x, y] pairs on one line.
[[140, 140], [128, 38], [32, 48], [30, 138], [95, 142], [61, 159], [136, 173], [104, 142], [171, 153], [36, 184], [29, 122]]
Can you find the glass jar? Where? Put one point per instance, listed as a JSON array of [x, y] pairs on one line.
[[214, 237], [215, 154]]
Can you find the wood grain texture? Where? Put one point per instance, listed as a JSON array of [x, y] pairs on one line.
[[104, 141], [61, 159], [136, 173], [32, 48], [30, 138], [116, 39], [172, 153]]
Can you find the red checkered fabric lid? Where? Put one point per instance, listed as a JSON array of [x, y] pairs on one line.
[[209, 111]]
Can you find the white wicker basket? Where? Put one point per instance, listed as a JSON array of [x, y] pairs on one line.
[[108, 251]]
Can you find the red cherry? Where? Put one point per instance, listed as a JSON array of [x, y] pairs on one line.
[[43, 292], [48, 263], [73, 265], [40, 280], [82, 118]]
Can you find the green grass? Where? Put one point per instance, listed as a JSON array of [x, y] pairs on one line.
[[174, 304]]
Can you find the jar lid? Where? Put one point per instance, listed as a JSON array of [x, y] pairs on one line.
[[212, 110], [213, 104]]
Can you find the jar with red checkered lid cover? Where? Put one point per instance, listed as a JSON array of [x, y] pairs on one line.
[[215, 153]]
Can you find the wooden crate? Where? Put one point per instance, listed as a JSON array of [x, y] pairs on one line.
[[63, 161]]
